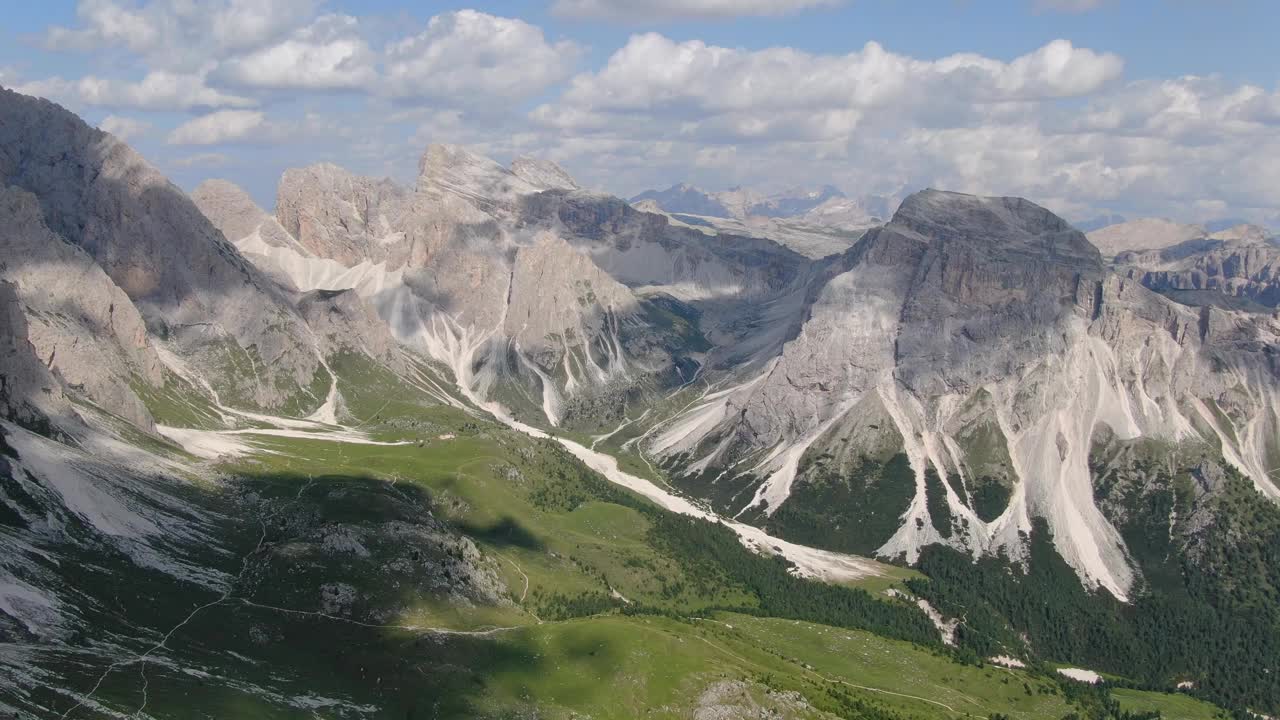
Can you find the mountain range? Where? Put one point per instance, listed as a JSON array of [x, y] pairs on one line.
[[827, 205], [967, 392]]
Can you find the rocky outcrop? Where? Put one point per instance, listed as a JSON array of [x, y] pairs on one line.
[[543, 173], [1241, 273], [239, 218], [82, 327], [191, 286], [551, 283], [29, 393], [335, 214], [996, 273], [345, 322]]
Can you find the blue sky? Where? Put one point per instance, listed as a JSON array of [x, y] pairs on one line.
[[1145, 107]]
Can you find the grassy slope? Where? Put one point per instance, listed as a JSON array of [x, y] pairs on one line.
[[617, 666], [553, 532], [1171, 707], [550, 532]]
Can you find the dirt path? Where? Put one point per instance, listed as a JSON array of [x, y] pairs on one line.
[[523, 593], [426, 629]]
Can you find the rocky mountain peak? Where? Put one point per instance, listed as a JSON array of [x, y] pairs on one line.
[[543, 173], [1244, 232], [1004, 227], [238, 217], [186, 280], [228, 207], [455, 169], [337, 214], [684, 198]]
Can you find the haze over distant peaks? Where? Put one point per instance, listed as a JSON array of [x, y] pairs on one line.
[[1143, 234], [826, 202]]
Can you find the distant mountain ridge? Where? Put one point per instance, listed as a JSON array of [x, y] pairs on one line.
[[827, 205]]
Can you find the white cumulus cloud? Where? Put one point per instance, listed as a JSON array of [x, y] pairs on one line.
[[158, 90], [107, 23], [783, 92], [202, 160], [470, 56], [682, 9], [223, 126], [329, 54], [179, 34], [123, 127]]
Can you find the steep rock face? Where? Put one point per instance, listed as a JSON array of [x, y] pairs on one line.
[[335, 214], [345, 322], [566, 316], [452, 169], [643, 250], [273, 250], [239, 218], [543, 173], [83, 327], [995, 274], [29, 394], [190, 285], [985, 337], [510, 308], [550, 284], [461, 270], [1246, 271]]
